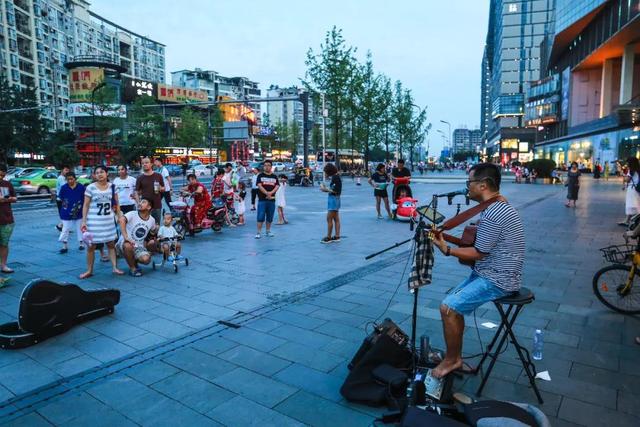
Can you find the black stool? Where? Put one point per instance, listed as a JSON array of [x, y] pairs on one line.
[[518, 300]]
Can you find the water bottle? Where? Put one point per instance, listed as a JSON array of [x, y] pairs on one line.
[[537, 345]]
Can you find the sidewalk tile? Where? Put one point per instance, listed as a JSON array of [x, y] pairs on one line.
[[256, 387], [241, 412], [151, 372], [592, 415], [311, 357], [200, 364], [254, 360], [324, 414], [191, 391], [312, 381]]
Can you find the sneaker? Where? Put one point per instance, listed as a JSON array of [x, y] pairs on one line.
[[379, 216], [59, 227], [258, 236], [326, 240], [81, 248], [64, 250], [335, 239], [270, 234], [135, 273]]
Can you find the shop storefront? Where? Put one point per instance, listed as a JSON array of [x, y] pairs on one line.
[[179, 155], [509, 150]]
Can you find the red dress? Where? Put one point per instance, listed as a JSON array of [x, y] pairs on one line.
[[202, 203]]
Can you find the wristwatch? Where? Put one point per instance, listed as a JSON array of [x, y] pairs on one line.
[[448, 251]]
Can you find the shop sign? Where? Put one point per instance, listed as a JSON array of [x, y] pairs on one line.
[[523, 147], [83, 81], [180, 151], [28, 156], [135, 88], [180, 94]]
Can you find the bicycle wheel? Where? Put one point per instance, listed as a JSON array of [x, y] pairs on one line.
[[609, 285]]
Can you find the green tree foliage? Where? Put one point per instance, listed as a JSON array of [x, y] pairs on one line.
[[544, 167], [145, 130], [332, 72], [192, 129], [19, 130], [59, 149]]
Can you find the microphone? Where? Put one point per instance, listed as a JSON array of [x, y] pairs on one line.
[[462, 192]]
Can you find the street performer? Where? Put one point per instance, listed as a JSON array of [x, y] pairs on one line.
[[498, 253]]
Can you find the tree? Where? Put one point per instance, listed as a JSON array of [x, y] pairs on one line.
[[59, 149], [331, 72], [402, 114], [19, 130], [144, 132], [192, 129]]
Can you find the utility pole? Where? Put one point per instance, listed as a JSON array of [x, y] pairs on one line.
[[324, 134], [304, 98]]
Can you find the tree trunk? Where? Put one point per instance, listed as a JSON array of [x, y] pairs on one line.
[[386, 139]]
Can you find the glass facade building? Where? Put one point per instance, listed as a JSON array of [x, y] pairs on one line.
[[512, 59], [570, 11]]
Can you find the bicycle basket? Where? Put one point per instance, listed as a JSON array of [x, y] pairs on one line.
[[618, 254]]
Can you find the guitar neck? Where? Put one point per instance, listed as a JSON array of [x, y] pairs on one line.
[[452, 239]]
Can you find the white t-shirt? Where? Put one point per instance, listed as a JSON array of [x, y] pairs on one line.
[[228, 182], [124, 189], [166, 177], [138, 228], [167, 232]]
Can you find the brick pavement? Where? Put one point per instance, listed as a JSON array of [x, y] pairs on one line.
[[286, 361]]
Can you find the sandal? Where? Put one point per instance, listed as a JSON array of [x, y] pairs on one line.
[[135, 273], [117, 272], [104, 259], [85, 275], [7, 270]]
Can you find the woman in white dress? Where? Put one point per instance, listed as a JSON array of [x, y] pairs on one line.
[[631, 182], [281, 201], [100, 206]]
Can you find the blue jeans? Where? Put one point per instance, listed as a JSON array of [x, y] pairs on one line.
[[266, 208], [472, 293]]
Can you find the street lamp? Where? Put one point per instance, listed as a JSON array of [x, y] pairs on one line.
[[449, 125], [93, 115]]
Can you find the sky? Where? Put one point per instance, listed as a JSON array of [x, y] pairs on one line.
[[433, 47]]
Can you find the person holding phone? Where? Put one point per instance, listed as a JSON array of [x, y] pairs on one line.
[[7, 196]]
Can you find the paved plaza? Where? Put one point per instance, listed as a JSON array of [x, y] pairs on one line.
[[294, 312]]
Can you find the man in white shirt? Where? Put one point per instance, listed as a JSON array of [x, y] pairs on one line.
[[135, 227], [166, 176], [126, 190]]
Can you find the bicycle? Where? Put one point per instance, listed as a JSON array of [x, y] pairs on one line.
[[614, 285]]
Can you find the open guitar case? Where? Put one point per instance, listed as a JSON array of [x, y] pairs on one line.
[[48, 309]]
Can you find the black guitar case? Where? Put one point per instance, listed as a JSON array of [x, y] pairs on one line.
[[48, 309]]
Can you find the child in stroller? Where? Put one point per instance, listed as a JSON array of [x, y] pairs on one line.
[[403, 203]]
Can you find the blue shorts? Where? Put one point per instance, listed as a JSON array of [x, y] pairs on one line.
[[333, 203], [266, 209], [472, 293]]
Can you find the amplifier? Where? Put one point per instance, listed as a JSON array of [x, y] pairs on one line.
[[388, 328]]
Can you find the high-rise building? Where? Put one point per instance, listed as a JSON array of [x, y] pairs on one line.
[[475, 140], [460, 140], [587, 108], [219, 87], [511, 59], [38, 37]]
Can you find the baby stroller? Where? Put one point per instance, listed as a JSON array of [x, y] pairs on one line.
[[403, 205], [174, 258]]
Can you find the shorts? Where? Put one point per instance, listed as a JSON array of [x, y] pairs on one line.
[[381, 193], [127, 208], [333, 203], [138, 251], [5, 234], [472, 293], [266, 208]]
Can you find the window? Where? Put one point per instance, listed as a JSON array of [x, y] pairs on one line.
[[512, 7]]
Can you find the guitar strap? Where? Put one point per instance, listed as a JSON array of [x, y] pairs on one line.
[[468, 214]]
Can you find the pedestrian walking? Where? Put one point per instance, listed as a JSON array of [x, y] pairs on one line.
[[71, 202], [126, 190], [333, 203], [267, 184], [379, 180], [281, 200], [254, 187], [7, 196], [150, 186], [166, 177], [100, 206], [60, 181], [632, 186], [572, 184]]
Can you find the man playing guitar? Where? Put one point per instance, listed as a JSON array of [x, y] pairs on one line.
[[497, 254]]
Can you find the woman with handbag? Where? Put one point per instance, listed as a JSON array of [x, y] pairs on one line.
[[572, 184]]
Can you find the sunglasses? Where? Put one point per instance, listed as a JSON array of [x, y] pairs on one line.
[[469, 181]]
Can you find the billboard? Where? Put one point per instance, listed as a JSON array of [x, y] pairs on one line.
[[180, 94], [83, 81], [135, 88], [85, 109], [564, 105]]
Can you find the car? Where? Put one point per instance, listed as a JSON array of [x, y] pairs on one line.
[[288, 166], [40, 182], [255, 165], [174, 170], [199, 170], [19, 172], [278, 167]]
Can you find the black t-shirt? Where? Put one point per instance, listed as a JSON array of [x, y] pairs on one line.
[[379, 178], [401, 173], [336, 185], [269, 182]]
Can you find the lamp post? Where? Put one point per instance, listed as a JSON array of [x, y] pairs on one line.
[[93, 116], [449, 125]]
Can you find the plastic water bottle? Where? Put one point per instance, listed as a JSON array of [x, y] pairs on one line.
[[537, 345]]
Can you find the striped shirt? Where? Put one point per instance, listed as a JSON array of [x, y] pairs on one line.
[[501, 236], [100, 218]]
